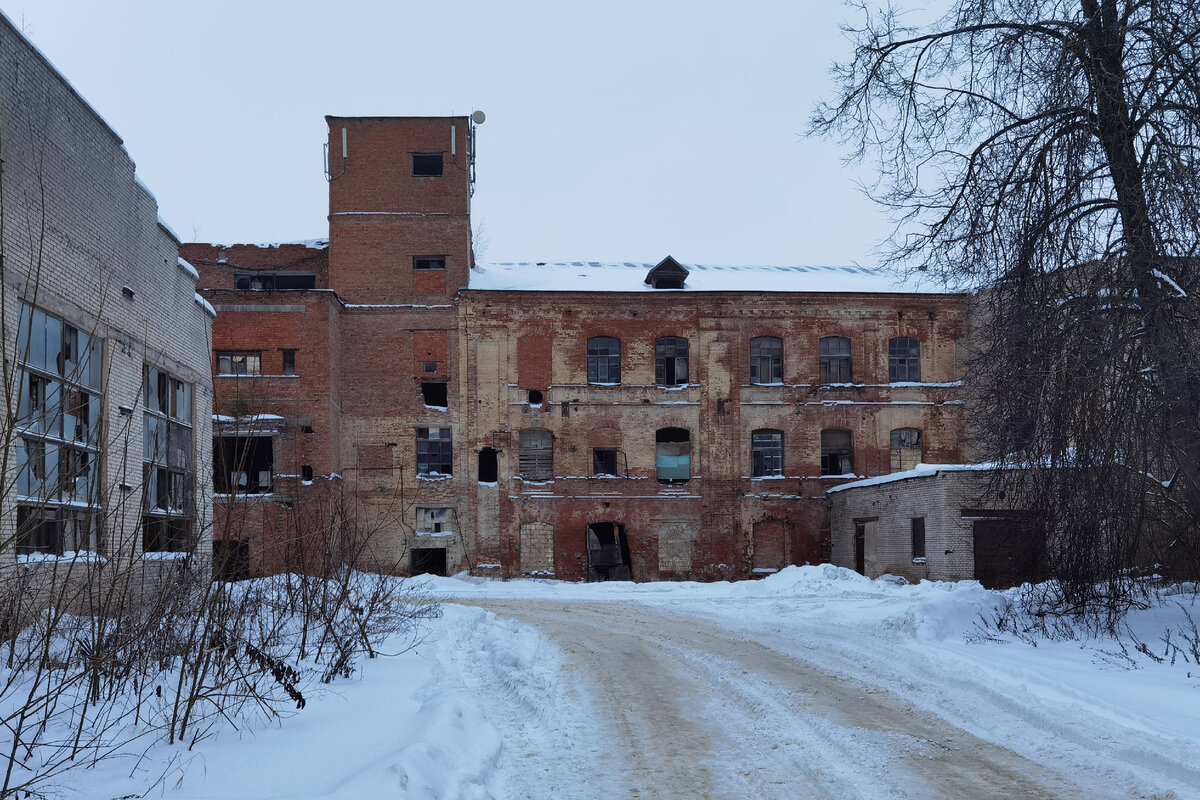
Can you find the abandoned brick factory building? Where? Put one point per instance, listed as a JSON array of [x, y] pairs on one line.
[[381, 396]]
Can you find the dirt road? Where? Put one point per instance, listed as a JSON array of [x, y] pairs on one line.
[[668, 706]]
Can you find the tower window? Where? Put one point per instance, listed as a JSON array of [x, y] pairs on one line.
[[427, 165]]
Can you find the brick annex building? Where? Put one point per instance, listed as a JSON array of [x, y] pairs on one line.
[[380, 393]]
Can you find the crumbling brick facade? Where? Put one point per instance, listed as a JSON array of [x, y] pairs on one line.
[[661, 434]]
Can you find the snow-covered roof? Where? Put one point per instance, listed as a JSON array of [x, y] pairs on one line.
[[625, 276], [919, 471]]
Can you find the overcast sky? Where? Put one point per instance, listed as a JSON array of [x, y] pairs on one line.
[[615, 131]]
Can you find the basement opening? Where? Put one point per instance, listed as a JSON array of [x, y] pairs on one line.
[[429, 561], [608, 552]]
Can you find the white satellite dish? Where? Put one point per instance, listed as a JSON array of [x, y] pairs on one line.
[[478, 117]]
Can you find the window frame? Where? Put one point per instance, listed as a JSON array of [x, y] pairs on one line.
[[429, 263], [168, 462], [603, 364], [917, 528], [597, 471], [251, 359], [835, 366], [434, 452], [426, 169], [671, 355], [766, 352], [536, 454], [904, 359], [897, 448], [766, 453]]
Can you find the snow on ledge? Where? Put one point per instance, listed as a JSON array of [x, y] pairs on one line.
[[83, 556], [919, 471], [164, 555]]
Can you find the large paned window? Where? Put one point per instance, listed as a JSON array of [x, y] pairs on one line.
[[604, 360], [766, 360], [239, 362], [435, 450], [835, 363], [837, 452], [537, 454], [671, 361], [57, 435], [168, 463], [904, 360], [243, 464], [766, 453]]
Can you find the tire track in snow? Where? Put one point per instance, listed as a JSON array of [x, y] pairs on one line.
[[692, 710]]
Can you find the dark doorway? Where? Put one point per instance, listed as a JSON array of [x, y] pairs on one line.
[[488, 471], [1008, 552], [429, 561], [231, 559], [608, 552], [860, 548]]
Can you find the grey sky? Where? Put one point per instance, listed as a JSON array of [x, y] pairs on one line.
[[615, 131]]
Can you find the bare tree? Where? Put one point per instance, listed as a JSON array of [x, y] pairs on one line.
[[1044, 153]]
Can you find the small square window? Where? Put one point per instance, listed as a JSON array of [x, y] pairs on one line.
[[434, 393], [429, 262], [427, 165]]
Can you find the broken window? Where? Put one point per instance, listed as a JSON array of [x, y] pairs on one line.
[[537, 454], [604, 461], [835, 364], [168, 462], [906, 448], [434, 452], [434, 393], [918, 539], [56, 530], [427, 165], [289, 362], [429, 262], [243, 464], [673, 455], [766, 453], [671, 361], [234, 362], [604, 360], [274, 281], [904, 360], [766, 360], [837, 452], [431, 520], [489, 470]]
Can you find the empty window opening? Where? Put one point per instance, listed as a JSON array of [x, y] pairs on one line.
[[489, 471], [835, 363], [242, 464], [671, 361], [429, 561], [289, 362], [906, 449], [434, 451], [904, 360], [608, 552], [918, 540], [429, 262], [604, 461], [766, 360], [306, 472], [673, 455], [427, 165], [537, 454], [837, 452], [604, 360], [429, 367], [766, 453], [435, 520], [535, 397], [231, 362], [435, 393], [231, 559]]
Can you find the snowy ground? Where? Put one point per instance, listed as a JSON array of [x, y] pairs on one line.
[[814, 682]]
